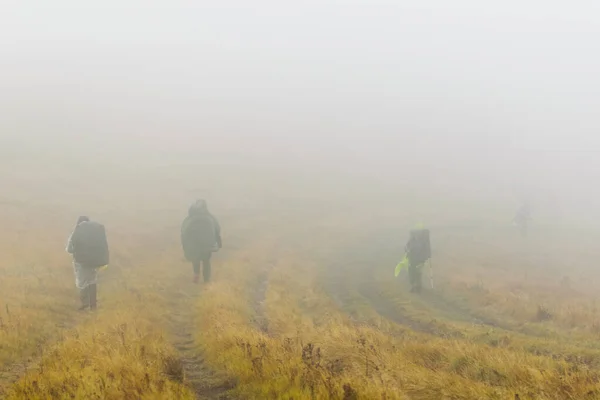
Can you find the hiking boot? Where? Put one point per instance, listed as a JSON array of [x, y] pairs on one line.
[[196, 278]]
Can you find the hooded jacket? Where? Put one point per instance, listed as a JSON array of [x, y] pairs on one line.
[[70, 248], [200, 232]]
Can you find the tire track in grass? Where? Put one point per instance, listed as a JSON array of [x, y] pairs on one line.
[[354, 281], [260, 288], [203, 380], [350, 296], [352, 284], [258, 299]]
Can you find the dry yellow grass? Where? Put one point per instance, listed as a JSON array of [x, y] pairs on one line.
[[119, 355], [308, 348], [36, 300], [121, 352], [301, 306], [46, 346]]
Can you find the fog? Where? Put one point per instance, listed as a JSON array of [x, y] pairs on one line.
[[492, 101]]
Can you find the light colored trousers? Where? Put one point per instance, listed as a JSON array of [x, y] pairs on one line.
[[84, 276]]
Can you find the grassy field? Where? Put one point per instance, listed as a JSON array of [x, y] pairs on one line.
[[303, 303]]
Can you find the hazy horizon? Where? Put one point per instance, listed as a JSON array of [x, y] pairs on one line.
[[502, 97]]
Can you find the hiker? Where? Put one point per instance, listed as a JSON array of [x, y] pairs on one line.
[[522, 218], [200, 237], [89, 248], [417, 253]]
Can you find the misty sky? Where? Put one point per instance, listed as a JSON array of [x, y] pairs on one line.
[[501, 89]]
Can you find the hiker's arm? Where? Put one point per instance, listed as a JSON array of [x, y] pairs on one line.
[[70, 248], [218, 232]]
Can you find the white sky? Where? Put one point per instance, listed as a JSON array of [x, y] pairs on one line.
[[508, 90]]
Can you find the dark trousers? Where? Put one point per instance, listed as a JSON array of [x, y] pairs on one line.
[[415, 277], [205, 262]]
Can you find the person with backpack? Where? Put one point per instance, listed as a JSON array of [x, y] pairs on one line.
[[200, 237], [89, 248], [417, 251]]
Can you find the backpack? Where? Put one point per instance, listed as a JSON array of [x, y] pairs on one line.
[[90, 247], [419, 249], [198, 234]]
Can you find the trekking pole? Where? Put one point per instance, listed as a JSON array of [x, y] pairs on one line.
[[431, 273]]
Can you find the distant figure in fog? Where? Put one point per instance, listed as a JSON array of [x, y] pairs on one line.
[[418, 251], [522, 218], [200, 237], [89, 248]]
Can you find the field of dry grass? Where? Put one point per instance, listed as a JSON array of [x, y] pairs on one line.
[[303, 302]]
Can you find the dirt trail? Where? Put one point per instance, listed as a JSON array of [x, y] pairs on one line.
[[204, 382], [260, 293]]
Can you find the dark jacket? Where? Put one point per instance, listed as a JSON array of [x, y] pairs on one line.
[[200, 232], [70, 248]]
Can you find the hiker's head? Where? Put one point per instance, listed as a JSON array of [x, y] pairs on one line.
[[198, 207], [82, 218]]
